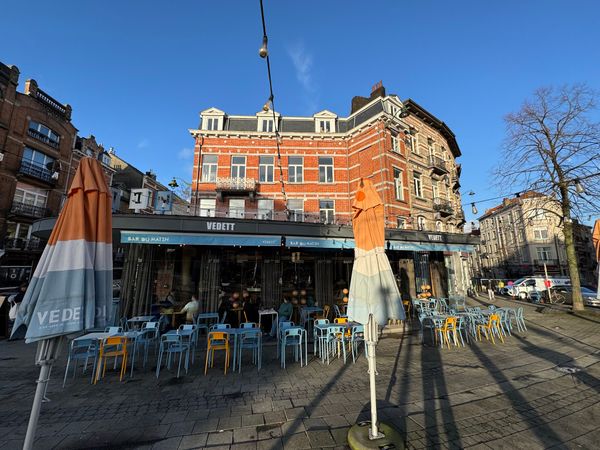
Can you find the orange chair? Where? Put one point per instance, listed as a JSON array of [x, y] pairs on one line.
[[448, 327], [114, 347], [493, 326], [216, 340]]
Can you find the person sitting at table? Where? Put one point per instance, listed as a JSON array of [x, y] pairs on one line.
[[169, 300], [191, 309], [285, 312]]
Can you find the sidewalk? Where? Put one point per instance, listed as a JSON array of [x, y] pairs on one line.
[[538, 390]]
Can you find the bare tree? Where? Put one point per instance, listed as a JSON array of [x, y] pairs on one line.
[[553, 147]]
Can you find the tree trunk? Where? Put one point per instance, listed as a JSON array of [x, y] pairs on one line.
[[570, 248]]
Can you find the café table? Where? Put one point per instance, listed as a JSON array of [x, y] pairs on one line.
[[139, 321], [268, 312]]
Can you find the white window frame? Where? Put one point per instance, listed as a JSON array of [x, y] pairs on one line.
[[269, 175], [538, 234], [327, 214], [328, 170], [211, 123], [401, 223], [238, 170], [32, 160], [265, 208], [32, 197], [295, 169], [209, 169], [296, 213], [44, 131], [267, 125], [325, 126], [237, 208], [208, 207], [418, 184], [543, 253], [417, 143], [398, 183], [409, 141], [395, 143], [18, 226]]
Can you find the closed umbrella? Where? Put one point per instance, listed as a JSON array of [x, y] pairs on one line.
[[596, 241], [71, 288], [374, 297]]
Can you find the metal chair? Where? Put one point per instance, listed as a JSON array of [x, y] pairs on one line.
[[335, 337], [357, 336], [319, 334], [172, 344], [292, 337], [193, 339], [216, 340], [113, 330], [149, 335], [251, 339], [114, 346], [82, 349]]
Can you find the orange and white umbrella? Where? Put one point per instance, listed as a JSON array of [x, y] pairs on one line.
[[596, 239], [71, 288], [373, 287]]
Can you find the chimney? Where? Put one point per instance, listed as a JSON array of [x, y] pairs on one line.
[[31, 87], [378, 90]]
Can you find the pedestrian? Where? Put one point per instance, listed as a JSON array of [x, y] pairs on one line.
[[284, 312], [191, 309]]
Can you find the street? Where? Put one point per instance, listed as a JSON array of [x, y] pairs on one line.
[[538, 390]]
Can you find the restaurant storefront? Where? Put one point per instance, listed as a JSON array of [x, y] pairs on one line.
[[211, 257]]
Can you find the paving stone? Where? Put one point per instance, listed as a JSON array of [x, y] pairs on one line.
[[275, 417], [205, 425], [295, 413], [226, 437], [181, 428], [167, 444], [245, 434], [193, 441], [296, 441], [253, 419], [229, 423]]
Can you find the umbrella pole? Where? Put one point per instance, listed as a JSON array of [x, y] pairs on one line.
[[46, 354], [371, 345]]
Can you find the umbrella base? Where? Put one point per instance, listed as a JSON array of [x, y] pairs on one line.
[[358, 437]]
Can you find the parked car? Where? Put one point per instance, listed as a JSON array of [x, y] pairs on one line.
[[528, 287], [564, 294]]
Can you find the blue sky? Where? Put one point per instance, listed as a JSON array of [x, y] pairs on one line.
[[137, 73]]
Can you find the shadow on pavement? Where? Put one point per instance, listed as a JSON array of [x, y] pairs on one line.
[[542, 430]]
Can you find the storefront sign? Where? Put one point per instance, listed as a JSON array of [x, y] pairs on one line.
[[220, 226], [434, 237], [159, 238], [304, 242]]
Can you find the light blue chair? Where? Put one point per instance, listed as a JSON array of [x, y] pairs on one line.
[[335, 337], [251, 339], [319, 334], [292, 337], [220, 327], [357, 336], [113, 330], [248, 325], [149, 335], [172, 344], [193, 337], [82, 349]]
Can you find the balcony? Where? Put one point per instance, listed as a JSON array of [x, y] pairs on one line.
[[37, 171], [32, 244], [235, 186], [548, 262], [438, 165], [444, 207], [25, 210], [42, 138]]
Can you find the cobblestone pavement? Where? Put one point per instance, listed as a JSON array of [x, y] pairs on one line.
[[538, 390]]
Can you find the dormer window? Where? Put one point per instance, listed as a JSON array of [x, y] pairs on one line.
[[325, 122], [267, 126], [212, 119]]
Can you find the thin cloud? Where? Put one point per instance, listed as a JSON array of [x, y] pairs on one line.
[[143, 143], [185, 153], [303, 63]]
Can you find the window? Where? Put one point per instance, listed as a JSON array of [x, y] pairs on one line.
[[398, 184], [435, 188], [431, 149], [421, 224], [265, 209], [18, 230], [296, 208], [89, 152], [537, 213], [326, 211], [540, 234], [212, 123], [30, 195], [325, 169], [401, 223], [295, 169], [105, 159], [238, 167], [543, 253], [325, 126], [409, 141], [208, 207], [418, 186], [267, 126], [44, 133], [393, 109], [416, 142], [395, 143], [209, 168], [38, 159], [265, 169], [237, 207]]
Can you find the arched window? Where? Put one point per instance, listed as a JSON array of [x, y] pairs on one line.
[[421, 223]]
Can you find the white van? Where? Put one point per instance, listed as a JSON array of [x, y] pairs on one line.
[[528, 288]]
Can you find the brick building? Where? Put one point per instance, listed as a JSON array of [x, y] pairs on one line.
[[36, 142]]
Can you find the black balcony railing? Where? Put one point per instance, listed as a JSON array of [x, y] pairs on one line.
[[32, 244], [37, 171], [23, 209], [442, 206], [42, 137], [437, 164]]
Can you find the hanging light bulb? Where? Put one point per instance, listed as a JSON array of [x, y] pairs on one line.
[[579, 188], [173, 183], [474, 208], [267, 106], [263, 52]]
